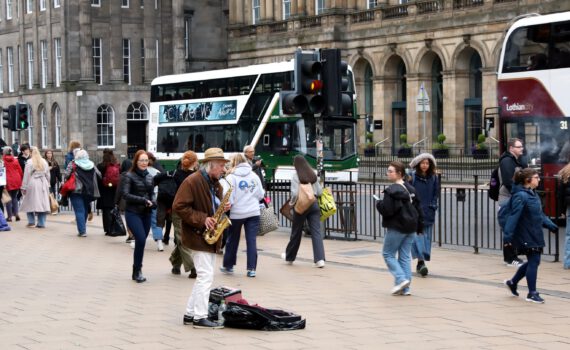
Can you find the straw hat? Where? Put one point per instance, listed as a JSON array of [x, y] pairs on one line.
[[214, 154]]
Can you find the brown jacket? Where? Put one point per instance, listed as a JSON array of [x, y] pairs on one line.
[[193, 203]]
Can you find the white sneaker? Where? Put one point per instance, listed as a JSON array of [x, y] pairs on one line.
[[320, 264], [400, 287], [132, 244], [159, 245]]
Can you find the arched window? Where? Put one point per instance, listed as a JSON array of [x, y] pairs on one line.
[[137, 111], [57, 119], [44, 129], [105, 126]]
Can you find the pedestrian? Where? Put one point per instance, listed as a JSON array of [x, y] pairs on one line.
[[126, 165], [75, 146], [402, 216], [24, 155], [256, 163], [14, 177], [565, 184], [304, 174], [156, 230], [108, 185], [509, 163], [197, 200], [523, 230], [247, 191], [137, 191], [425, 181], [86, 188], [35, 189], [54, 171], [181, 255]]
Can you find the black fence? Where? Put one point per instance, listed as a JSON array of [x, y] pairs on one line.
[[466, 217]]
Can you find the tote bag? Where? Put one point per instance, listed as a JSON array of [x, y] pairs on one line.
[[267, 221], [69, 185], [305, 198], [327, 204], [117, 225]]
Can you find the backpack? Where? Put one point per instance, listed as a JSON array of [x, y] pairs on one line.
[[112, 175], [495, 184], [409, 214], [167, 188]]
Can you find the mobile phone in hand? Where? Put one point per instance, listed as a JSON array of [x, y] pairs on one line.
[[375, 197]]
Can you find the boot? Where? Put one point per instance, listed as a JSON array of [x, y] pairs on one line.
[[137, 275], [193, 273]]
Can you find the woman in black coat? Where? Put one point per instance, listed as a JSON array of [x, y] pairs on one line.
[[106, 202]]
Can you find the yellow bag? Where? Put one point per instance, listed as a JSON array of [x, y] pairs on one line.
[[327, 204]]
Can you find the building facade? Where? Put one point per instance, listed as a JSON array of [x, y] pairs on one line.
[[85, 66], [450, 48]]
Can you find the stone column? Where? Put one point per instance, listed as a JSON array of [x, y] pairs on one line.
[[240, 16], [455, 90], [116, 43], [490, 98], [85, 39], [381, 107], [301, 9], [294, 7], [149, 43], [414, 120], [178, 52], [268, 11]]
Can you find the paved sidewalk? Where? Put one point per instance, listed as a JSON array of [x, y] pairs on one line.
[[59, 291]]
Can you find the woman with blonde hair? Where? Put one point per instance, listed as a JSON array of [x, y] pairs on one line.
[[35, 189], [565, 183]]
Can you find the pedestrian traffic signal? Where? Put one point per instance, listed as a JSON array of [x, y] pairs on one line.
[[23, 115], [338, 100], [9, 118]]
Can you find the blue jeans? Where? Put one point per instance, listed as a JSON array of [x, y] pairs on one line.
[[529, 270], [567, 242], [251, 227], [139, 224], [401, 243], [81, 208], [41, 218], [421, 248], [156, 231]]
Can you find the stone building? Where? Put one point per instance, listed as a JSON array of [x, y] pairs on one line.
[[451, 47], [85, 66]]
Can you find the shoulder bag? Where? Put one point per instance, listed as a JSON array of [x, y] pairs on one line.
[[70, 183], [305, 198]]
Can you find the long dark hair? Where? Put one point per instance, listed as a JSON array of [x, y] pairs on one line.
[[108, 157], [305, 173], [524, 176], [51, 162]]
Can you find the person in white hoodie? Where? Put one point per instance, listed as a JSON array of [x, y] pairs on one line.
[[247, 192]]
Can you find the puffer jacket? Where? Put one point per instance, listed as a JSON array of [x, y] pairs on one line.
[[390, 207], [136, 188], [14, 173]]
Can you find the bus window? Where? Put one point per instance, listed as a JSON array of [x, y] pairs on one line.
[[527, 49], [560, 55]]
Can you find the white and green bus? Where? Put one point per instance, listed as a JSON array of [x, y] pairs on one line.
[[231, 108]]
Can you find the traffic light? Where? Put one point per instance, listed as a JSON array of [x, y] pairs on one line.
[[9, 117], [23, 115], [338, 100], [306, 97]]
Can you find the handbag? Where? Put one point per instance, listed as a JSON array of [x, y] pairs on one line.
[[53, 205], [327, 204], [287, 210], [167, 188], [117, 225], [6, 197], [305, 198], [268, 221], [69, 185]]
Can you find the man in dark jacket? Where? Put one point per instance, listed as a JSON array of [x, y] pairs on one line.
[[510, 162], [24, 155]]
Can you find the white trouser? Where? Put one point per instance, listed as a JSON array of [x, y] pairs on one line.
[[198, 301]]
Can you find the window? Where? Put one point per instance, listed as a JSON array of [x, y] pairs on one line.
[[127, 61], [57, 118], [286, 9], [156, 54], [319, 7], [187, 28], [42, 5], [30, 50], [43, 51], [57, 54], [96, 3], [232, 86], [105, 126], [31, 128], [142, 4], [125, 4], [97, 62], [8, 9], [372, 4], [56, 3], [1, 73], [29, 6], [44, 125], [256, 10], [20, 66], [142, 61], [10, 54], [137, 111]]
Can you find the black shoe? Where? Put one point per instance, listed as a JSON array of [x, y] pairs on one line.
[[129, 239], [165, 241], [205, 323], [512, 287], [137, 275], [175, 270], [422, 269], [188, 319], [193, 274]]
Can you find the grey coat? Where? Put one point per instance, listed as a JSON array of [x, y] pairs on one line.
[[36, 186]]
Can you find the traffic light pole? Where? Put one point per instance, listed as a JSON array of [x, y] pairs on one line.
[[320, 156]]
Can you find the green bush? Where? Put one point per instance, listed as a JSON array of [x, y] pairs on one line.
[[404, 141], [440, 142], [481, 142]]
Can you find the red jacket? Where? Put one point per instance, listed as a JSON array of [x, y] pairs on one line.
[[13, 173]]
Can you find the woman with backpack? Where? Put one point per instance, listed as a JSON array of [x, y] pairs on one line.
[[305, 179], [425, 181], [108, 185], [402, 216], [523, 220]]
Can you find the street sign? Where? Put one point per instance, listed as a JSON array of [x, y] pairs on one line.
[[377, 125], [422, 100]]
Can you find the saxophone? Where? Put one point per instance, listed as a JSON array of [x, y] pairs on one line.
[[222, 220]]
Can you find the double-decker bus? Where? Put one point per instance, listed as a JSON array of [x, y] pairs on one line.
[[231, 108], [533, 92]]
